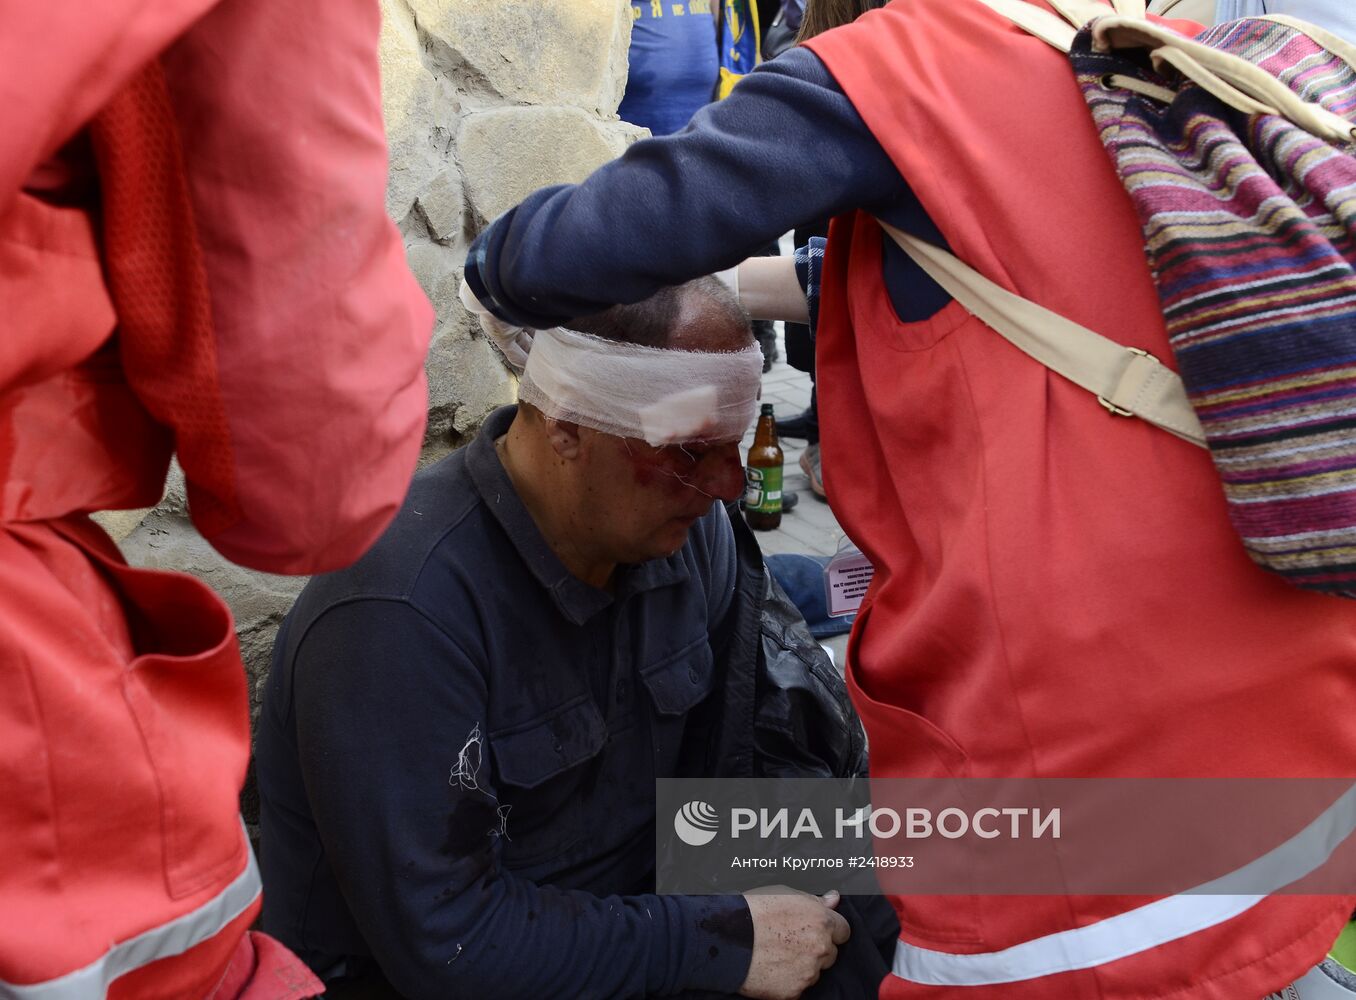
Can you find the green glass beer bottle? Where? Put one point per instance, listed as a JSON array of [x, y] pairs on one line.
[[763, 475]]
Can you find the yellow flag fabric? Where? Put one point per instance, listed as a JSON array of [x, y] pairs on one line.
[[739, 43]]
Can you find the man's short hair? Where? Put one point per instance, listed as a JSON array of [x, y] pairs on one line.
[[658, 320]]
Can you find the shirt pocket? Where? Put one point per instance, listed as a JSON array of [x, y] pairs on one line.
[[679, 681], [539, 770]]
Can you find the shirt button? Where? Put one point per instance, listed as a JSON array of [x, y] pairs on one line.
[[555, 745], [692, 674], [621, 692]]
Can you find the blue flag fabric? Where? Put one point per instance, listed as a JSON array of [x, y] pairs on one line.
[[739, 42], [675, 63]]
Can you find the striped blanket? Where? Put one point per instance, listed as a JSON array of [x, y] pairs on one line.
[[1248, 227]]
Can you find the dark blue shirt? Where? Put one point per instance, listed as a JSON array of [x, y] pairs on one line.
[[458, 749], [786, 147]]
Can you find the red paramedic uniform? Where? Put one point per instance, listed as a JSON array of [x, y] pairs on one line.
[[194, 257], [1058, 591]]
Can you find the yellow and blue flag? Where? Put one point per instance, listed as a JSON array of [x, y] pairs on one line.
[[739, 42]]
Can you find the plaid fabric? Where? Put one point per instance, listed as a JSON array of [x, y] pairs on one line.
[[809, 267], [1248, 231]]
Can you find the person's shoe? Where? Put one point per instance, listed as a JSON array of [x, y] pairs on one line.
[[802, 425], [1329, 980], [810, 465]]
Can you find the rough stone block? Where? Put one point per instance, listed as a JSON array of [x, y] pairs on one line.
[[621, 134], [409, 99], [535, 51], [510, 152], [442, 203], [438, 270], [466, 381], [466, 377], [119, 523]]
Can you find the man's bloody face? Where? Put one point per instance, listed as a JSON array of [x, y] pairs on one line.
[[647, 497], [641, 500]]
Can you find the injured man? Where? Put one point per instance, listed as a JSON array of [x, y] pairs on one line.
[[461, 733]]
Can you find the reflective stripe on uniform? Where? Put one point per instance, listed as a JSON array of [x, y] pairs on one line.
[[1150, 926], [172, 938]]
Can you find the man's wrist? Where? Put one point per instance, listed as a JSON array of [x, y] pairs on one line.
[[719, 942]]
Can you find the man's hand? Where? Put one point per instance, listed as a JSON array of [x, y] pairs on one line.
[[795, 938]]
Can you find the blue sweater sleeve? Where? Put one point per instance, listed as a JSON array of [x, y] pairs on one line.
[[785, 147], [390, 715]]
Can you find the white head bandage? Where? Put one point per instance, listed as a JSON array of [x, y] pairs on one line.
[[659, 395]]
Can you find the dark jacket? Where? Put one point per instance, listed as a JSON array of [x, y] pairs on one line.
[[783, 710]]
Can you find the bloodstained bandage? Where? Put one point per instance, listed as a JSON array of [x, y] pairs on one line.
[[658, 395]]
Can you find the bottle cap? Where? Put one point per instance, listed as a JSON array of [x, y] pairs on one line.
[[766, 410]]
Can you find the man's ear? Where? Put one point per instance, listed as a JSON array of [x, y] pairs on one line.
[[564, 438]]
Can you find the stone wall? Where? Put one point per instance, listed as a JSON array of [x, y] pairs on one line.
[[485, 101]]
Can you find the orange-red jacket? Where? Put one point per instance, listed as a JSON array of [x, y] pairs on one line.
[[1058, 592], [194, 257]]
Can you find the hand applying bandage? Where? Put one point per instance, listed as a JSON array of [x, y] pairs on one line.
[[514, 342]]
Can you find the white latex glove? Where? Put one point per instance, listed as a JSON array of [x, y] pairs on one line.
[[513, 342], [767, 288], [730, 278]]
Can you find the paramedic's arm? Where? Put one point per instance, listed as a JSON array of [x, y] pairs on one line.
[[786, 146], [408, 826], [320, 329], [785, 288], [61, 61], [767, 289]]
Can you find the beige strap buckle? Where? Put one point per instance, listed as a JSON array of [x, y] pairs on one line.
[[1112, 408], [1128, 381], [1121, 411]]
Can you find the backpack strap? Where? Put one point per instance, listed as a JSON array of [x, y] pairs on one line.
[[1058, 32], [1127, 381], [1232, 79]]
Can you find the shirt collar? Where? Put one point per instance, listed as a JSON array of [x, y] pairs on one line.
[[577, 600]]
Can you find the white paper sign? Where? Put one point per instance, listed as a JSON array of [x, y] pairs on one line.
[[846, 578]]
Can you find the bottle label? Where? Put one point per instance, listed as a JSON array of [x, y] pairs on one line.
[[763, 489]]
